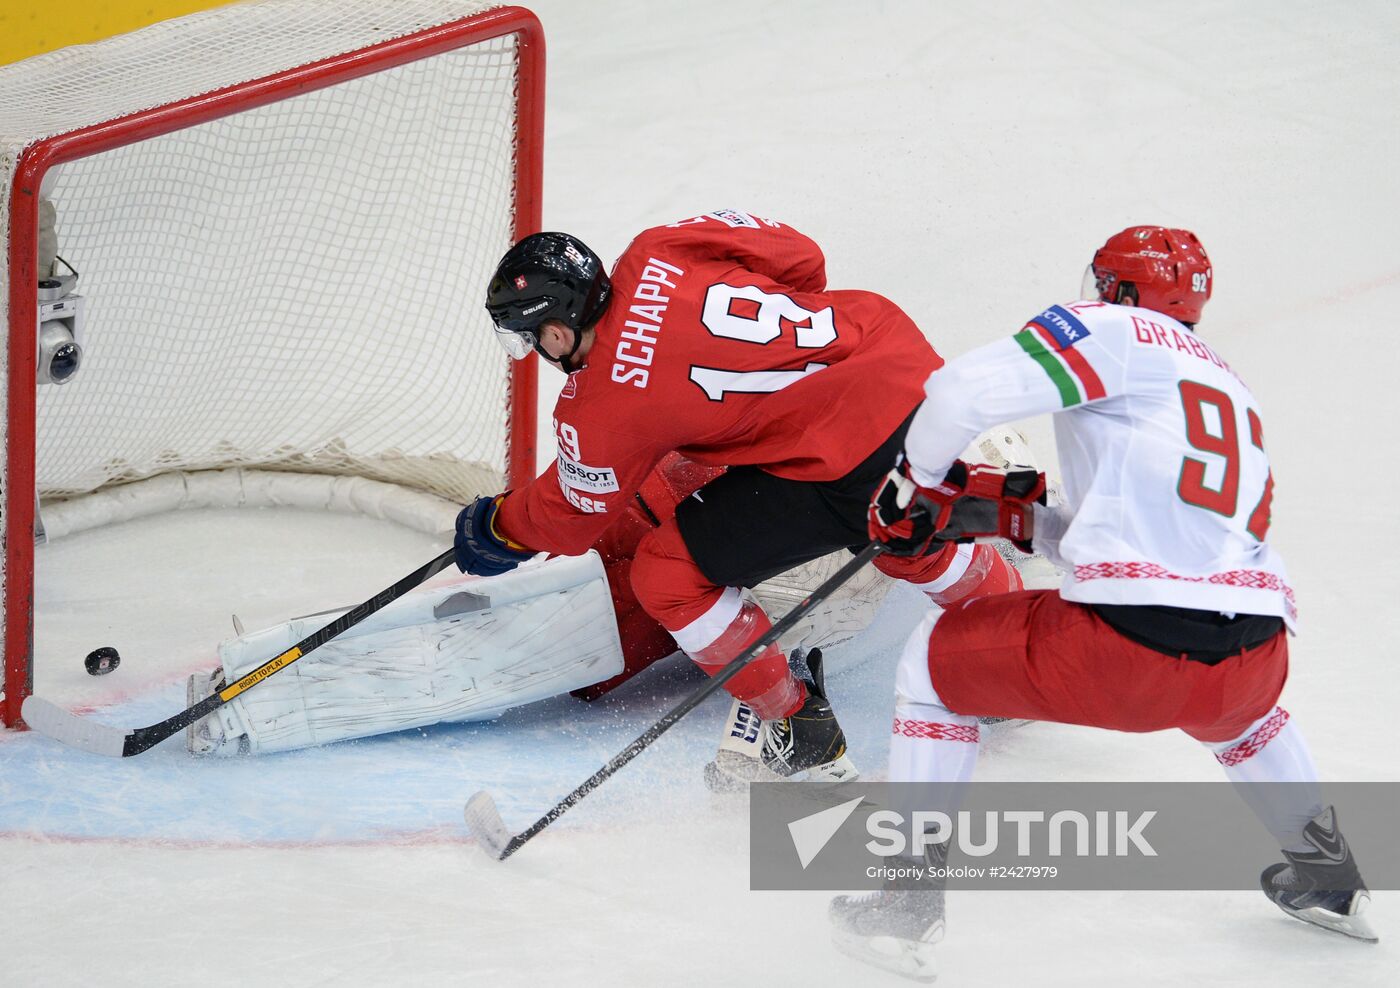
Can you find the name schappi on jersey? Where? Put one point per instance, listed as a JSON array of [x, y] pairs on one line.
[[1049, 339]]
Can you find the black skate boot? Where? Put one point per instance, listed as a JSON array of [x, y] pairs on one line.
[[895, 928], [1321, 885], [809, 740]]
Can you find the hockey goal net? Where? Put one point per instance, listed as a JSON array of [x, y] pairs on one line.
[[283, 215]]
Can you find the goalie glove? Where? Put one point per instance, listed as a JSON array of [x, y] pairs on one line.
[[480, 549]]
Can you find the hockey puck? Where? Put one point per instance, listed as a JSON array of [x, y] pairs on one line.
[[101, 661]]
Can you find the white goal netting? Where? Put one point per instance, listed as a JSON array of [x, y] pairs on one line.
[[283, 215], [297, 285]]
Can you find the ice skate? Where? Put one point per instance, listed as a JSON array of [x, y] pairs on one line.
[[207, 736], [809, 740], [198, 737], [1003, 722], [1322, 885], [732, 772], [738, 762], [894, 929]]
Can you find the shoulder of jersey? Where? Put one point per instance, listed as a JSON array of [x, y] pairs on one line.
[[682, 230], [649, 242], [1070, 323]]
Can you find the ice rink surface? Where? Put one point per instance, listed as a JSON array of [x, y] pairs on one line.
[[964, 160]]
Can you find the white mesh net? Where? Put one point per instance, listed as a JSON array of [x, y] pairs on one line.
[[296, 286]]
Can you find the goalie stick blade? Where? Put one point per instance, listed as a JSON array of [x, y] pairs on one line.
[[485, 823], [76, 732]]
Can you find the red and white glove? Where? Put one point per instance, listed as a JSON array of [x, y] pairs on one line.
[[971, 501], [899, 516], [991, 503]]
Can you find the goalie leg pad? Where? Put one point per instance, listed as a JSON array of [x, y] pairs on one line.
[[836, 620], [461, 651]]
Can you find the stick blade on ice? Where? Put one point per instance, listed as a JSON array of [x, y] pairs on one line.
[[76, 732], [485, 823]]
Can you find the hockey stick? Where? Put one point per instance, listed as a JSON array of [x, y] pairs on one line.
[[484, 819], [100, 739]]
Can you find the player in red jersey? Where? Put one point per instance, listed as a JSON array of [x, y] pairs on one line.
[[716, 337]]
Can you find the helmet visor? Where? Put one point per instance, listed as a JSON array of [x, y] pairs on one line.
[[1096, 287], [518, 343]]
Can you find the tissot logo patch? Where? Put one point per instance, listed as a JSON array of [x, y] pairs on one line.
[[580, 476]]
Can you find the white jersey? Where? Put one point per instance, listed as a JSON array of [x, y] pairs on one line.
[[1161, 446]]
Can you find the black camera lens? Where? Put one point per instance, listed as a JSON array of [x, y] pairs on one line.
[[64, 362]]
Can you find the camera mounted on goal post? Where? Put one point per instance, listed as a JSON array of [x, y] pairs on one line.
[[60, 310], [60, 323]]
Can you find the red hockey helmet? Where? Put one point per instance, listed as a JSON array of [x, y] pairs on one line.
[[1158, 268]]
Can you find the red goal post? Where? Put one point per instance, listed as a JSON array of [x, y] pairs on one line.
[[282, 271]]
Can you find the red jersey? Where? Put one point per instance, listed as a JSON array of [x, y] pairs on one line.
[[720, 342]]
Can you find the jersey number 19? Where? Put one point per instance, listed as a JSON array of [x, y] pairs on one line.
[[751, 315]]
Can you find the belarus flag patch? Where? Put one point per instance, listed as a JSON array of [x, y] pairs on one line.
[[1049, 340]]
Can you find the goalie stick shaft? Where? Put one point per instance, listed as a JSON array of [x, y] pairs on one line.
[[54, 722], [509, 847]]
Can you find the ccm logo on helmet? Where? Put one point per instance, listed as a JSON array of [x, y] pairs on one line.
[[595, 480]]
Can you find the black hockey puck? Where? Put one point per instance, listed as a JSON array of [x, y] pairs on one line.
[[101, 661]]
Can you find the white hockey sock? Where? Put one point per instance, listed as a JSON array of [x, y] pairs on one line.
[[932, 753], [1273, 750], [930, 743]]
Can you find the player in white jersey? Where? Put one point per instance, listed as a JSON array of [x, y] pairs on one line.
[[1173, 608]]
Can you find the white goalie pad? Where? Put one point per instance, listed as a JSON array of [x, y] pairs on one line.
[[458, 651]]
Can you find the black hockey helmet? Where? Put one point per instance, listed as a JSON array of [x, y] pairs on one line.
[[546, 276]]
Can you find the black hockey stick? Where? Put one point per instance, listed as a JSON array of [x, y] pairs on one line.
[[78, 732], [484, 819]]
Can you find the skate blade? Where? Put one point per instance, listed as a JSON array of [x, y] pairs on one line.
[[1004, 723], [1355, 926], [199, 740], [193, 742], [913, 959], [840, 770]]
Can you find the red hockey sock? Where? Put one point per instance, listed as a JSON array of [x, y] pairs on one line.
[[712, 624], [766, 684], [959, 572]]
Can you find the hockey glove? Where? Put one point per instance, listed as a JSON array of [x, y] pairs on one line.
[[898, 517], [480, 550], [980, 501]]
